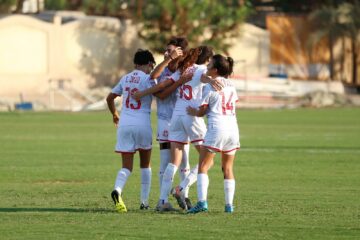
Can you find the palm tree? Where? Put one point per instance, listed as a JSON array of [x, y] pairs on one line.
[[325, 24], [350, 20]]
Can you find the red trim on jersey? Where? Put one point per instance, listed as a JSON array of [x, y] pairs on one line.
[[230, 150], [164, 140], [212, 148], [177, 142], [219, 150], [140, 149], [125, 152], [204, 105], [197, 140]]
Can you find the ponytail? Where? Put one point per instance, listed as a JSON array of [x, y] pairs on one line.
[[231, 65], [223, 65]]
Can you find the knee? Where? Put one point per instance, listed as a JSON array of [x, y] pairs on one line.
[[228, 172]]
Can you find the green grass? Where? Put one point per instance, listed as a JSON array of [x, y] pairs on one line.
[[298, 177]]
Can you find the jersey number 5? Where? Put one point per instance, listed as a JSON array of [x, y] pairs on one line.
[[131, 105]]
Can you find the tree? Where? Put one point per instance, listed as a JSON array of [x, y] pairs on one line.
[[209, 22], [349, 19], [325, 24], [335, 22], [5, 6]]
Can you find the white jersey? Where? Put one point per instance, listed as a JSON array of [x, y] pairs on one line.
[[190, 93], [134, 112], [166, 106], [221, 112]]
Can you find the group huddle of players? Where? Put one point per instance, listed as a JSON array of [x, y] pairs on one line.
[[187, 84]]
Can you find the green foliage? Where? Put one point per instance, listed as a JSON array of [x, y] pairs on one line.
[[335, 22], [5, 6], [297, 173], [202, 21], [56, 4]]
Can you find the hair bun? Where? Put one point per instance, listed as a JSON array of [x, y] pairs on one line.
[[230, 60]]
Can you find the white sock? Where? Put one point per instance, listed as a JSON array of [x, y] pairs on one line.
[[229, 190], [202, 186], [165, 156], [121, 179], [145, 185], [189, 180], [168, 179], [185, 168]]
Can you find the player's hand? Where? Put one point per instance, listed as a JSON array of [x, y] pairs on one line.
[[116, 118], [136, 95], [177, 52], [186, 77], [217, 84], [191, 111]]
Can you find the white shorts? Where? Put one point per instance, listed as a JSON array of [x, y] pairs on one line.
[[217, 140], [187, 128], [133, 138], [163, 127]]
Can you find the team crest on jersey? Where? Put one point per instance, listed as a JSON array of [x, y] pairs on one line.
[[165, 133]]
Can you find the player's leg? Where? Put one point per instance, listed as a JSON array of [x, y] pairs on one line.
[[178, 138], [121, 179], [164, 144], [168, 178], [195, 128], [205, 163], [165, 158], [229, 179], [181, 192], [145, 156], [184, 168]]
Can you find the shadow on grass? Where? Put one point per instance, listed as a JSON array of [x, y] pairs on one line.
[[69, 210]]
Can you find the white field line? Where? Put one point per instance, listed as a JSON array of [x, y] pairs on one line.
[[302, 150]]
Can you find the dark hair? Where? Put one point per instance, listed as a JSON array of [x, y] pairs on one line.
[[205, 54], [179, 42], [223, 65], [143, 57]]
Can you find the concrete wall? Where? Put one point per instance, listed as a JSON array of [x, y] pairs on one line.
[[86, 52], [250, 52]]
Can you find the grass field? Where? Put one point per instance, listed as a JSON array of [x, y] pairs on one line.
[[298, 177]]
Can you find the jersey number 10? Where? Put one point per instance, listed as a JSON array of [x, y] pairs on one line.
[[186, 92]]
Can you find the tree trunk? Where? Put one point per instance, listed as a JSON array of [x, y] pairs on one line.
[[37, 6], [139, 8], [105, 10], [354, 61], [342, 63], [19, 6], [331, 64]]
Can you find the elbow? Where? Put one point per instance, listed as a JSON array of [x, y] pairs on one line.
[[161, 97], [110, 98]]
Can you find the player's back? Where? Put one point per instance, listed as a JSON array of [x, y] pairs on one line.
[[134, 112], [221, 105], [165, 107], [190, 93]]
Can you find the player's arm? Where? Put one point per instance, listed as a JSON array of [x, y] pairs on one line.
[[197, 112], [167, 91], [216, 84], [168, 58], [157, 88], [110, 99]]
